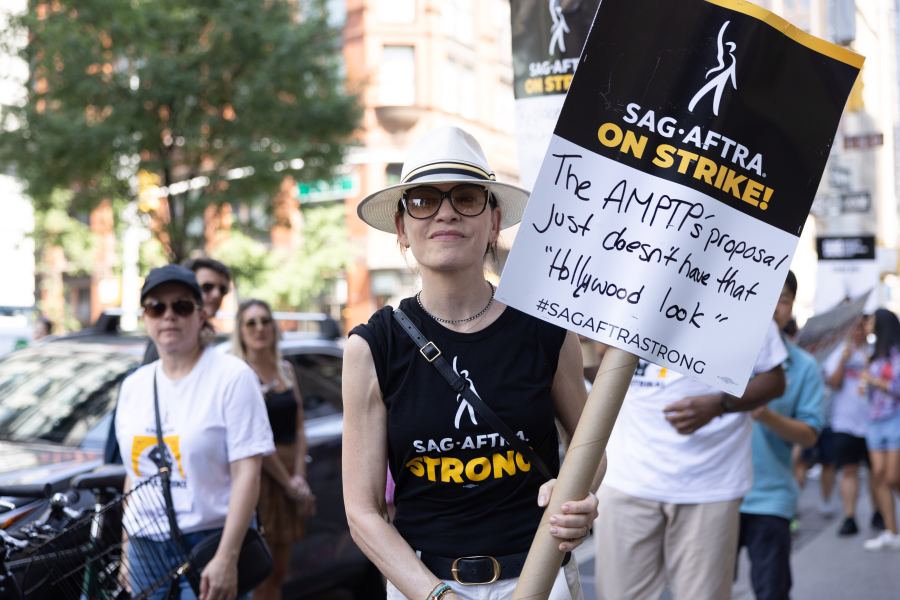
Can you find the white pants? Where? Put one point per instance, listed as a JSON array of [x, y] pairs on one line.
[[566, 587]]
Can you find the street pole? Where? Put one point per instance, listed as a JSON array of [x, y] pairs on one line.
[[578, 469], [135, 233]]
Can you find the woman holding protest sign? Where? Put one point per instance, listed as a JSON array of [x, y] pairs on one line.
[[882, 382], [457, 394]]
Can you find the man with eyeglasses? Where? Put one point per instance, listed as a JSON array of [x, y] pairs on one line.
[[215, 282], [214, 279]]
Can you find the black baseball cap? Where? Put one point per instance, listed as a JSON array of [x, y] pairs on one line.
[[172, 274]]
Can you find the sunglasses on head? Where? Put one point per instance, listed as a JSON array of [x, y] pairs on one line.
[[208, 287], [424, 201], [262, 322], [182, 308]]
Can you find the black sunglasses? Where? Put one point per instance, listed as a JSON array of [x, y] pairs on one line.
[[208, 287], [424, 201], [182, 308], [262, 322]]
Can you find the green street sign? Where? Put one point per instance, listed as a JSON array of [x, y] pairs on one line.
[[323, 190]]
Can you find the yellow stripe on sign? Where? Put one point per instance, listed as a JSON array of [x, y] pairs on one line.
[[821, 46]]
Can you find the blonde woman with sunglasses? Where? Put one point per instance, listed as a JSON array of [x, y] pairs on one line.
[[467, 503], [285, 499], [215, 433]]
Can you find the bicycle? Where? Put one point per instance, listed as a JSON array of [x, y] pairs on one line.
[[11, 544], [84, 555]]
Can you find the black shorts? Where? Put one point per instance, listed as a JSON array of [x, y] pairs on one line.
[[824, 450], [849, 449]]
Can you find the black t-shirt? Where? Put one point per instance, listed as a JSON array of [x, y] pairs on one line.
[[460, 489]]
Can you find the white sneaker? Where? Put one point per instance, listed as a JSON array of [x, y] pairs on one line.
[[885, 541], [814, 472], [826, 508]]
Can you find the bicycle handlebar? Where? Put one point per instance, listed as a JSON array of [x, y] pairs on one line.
[[27, 490], [110, 476]]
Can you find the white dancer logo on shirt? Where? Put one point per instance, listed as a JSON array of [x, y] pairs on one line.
[[464, 405], [723, 74]]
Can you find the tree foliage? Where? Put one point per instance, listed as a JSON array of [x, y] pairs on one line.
[[291, 280], [227, 91], [54, 226]]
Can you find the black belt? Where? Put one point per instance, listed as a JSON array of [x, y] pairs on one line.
[[473, 570]]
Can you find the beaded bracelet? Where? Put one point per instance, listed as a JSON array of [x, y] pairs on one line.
[[439, 591]]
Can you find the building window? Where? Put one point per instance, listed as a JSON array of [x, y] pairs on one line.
[[458, 20], [505, 108], [396, 11], [842, 21], [397, 76], [459, 91]]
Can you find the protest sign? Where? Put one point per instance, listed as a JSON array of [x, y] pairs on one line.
[[822, 333], [847, 268], [547, 37], [677, 182]]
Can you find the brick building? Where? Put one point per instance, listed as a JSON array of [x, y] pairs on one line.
[[419, 64]]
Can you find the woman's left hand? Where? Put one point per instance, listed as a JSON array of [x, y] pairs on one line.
[[574, 523], [305, 497], [219, 580]]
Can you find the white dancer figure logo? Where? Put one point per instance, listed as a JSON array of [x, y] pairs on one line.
[[559, 28], [463, 403], [725, 74]]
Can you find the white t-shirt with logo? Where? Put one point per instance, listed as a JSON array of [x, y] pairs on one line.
[[647, 458], [849, 408], [212, 417]]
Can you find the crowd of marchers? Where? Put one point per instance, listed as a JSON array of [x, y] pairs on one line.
[[691, 475]]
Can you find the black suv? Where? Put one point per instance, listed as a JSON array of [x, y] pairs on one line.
[[56, 402]]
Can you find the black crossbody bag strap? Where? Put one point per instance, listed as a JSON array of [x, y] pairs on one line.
[[161, 459], [432, 354]]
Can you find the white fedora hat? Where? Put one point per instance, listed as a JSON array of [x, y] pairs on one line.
[[444, 155]]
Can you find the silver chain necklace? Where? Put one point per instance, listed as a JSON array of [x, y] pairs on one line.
[[457, 321]]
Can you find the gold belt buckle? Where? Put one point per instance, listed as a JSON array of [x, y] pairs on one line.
[[455, 570]]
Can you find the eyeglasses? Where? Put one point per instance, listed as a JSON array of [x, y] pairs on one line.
[[182, 308], [424, 201], [208, 287], [262, 322]]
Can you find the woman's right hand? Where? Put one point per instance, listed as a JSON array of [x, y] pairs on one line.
[[219, 580]]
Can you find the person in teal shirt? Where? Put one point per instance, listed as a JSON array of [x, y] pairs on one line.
[[794, 418]]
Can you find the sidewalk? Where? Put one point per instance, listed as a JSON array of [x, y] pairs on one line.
[[824, 565]]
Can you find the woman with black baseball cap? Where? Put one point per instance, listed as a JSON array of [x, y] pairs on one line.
[[215, 432]]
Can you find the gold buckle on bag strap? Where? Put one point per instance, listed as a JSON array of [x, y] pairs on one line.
[[430, 352]]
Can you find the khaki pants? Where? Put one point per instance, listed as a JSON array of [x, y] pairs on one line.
[[643, 544], [567, 586]]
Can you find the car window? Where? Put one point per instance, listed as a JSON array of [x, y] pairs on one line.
[[320, 383], [58, 393]]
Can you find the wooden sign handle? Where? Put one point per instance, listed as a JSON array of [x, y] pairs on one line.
[[578, 469]]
